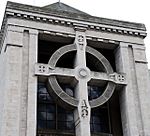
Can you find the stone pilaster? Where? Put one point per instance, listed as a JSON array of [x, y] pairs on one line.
[[3, 83], [24, 89], [32, 84], [127, 94], [13, 81], [143, 87]]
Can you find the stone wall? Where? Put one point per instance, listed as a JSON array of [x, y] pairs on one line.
[[3, 62]]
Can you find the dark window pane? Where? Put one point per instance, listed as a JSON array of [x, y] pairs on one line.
[[61, 117], [69, 117], [42, 97], [49, 98], [51, 125], [97, 128], [69, 125], [91, 127], [51, 108], [62, 125], [47, 111], [41, 107], [42, 115], [41, 124], [96, 119], [94, 92], [50, 116], [61, 110], [69, 91], [105, 128], [99, 120], [42, 90]]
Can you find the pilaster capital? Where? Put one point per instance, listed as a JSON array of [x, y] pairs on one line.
[[14, 28], [33, 31], [123, 45], [14, 36]]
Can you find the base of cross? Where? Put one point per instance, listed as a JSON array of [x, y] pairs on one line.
[[82, 119]]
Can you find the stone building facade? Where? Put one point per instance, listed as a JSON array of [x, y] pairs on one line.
[[66, 73]]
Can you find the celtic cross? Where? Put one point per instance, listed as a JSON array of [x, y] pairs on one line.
[[80, 103]]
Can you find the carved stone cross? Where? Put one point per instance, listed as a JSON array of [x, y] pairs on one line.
[[82, 106]]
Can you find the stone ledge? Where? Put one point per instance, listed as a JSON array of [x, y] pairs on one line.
[[65, 133]]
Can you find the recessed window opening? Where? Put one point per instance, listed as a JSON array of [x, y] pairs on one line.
[[67, 60], [106, 49], [93, 63], [99, 121], [48, 45], [51, 116], [95, 91]]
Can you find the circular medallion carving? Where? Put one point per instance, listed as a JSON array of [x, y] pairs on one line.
[[83, 73], [80, 72]]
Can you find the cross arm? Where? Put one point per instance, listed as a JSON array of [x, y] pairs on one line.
[[45, 70], [118, 78]]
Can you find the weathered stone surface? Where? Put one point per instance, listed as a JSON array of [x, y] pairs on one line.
[[19, 73]]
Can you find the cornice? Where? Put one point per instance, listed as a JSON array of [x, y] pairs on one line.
[[73, 23], [81, 17]]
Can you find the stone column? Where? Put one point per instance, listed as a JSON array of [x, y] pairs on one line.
[[11, 106], [32, 84], [128, 97]]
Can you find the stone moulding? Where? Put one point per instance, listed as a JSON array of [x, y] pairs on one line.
[[72, 23], [79, 16]]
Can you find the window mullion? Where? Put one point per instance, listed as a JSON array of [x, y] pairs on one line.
[[109, 120], [56, 117]]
